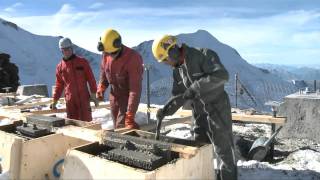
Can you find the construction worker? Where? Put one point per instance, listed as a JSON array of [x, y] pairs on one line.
[[73, 73], [9, 74], [199, 76], [122, 70]]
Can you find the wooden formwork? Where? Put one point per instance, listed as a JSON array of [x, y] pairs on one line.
[[34, 158], [85, 133], [19, 156], [81, 164]]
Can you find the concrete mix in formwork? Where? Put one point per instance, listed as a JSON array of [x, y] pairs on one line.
[[303, 116]]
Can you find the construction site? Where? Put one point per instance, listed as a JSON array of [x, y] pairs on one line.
[[181, 90], [40, 143]]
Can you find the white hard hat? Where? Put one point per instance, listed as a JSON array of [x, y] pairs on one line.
[[65, 43]]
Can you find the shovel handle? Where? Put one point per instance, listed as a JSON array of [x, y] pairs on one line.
[[269, 141], [158, 128]]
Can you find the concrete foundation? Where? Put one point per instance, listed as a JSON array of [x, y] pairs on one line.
[[303, 116]]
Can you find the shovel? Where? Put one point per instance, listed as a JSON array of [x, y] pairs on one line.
[[261, 146], [158, 128], [165, 108]]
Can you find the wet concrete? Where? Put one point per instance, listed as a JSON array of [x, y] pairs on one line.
[[135, 158], [137, 152], [117, 140]]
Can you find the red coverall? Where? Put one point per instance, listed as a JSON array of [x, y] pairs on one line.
[[72, 76], [124, 75]]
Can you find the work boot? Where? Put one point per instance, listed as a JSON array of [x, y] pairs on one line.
[[133, 125], [129, 121]]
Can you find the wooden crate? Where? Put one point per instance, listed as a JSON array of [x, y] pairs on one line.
[[33, 158], [81, 163], [36, 158]]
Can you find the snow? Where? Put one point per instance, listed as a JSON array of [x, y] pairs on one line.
[[303, 164]]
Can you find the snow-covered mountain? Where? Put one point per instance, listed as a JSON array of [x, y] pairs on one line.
[[37, 57], [287, 72], [262, 85]]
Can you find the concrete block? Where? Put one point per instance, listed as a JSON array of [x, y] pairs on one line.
[[303, 116], [28, 90]]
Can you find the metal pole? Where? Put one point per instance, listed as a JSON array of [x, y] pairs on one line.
[[315, 85], [7, 89], [147, 69], [273, 130], [236, 89]]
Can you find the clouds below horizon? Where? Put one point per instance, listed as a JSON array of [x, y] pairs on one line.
[[267, 37]]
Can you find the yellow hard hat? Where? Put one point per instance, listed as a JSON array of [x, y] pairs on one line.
[[111, 41], [160, 47]]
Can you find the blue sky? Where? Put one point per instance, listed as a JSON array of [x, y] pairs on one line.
[[262, 31]]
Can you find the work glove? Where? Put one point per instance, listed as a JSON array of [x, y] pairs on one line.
[[189, 94], [160, 114], [94, 99], [53, 105], [100, 95], [129, 121]]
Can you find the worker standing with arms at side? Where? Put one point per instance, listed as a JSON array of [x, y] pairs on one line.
[[199, 76], [122, 70], [73, 73]]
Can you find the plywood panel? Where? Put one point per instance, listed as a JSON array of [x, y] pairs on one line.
[[38, 156], [81, 133], [7, 141]]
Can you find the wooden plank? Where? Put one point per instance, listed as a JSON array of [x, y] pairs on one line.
[[235, 117], [10, 113], [79, 123], [199, 166], [28, 105], [258, 118], [89, 135], [96, 126], [8, 94], [52, 111]]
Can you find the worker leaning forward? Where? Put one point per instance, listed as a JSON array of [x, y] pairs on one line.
[[122, 70], [199, 76], [73, 73]]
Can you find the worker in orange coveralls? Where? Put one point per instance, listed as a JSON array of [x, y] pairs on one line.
[[73, 73], [122, 70]]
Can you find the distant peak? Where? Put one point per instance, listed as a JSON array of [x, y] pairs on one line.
[[8, 23], [201, 31], [199, 35]]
